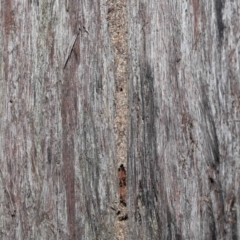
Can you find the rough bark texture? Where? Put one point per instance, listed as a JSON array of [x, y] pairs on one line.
[[184, 96], [120, 119], [59, 174]]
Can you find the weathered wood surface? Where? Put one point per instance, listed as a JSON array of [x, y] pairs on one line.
[[64, 87], [58, 159], [184, 92]]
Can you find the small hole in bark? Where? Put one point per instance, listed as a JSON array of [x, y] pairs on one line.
[[13, 214], [118, 212], [11, 101], [121, 89], [211, 180], [123, 218], [122, 184], [123, 203]]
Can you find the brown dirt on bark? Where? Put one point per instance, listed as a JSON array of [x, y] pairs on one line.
[[117, 19]]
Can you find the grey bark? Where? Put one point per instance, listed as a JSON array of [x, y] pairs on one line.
[[64, 91], [184, 88], [58, 165]]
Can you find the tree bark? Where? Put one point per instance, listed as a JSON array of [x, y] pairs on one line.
[[184, 88], [119, 119], [59, 174]]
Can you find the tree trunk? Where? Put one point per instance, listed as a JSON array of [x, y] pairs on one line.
[[119, 119], [184, 100]]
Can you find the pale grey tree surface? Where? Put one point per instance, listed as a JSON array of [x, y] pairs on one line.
[[94, 92], [58, 167], [184, 96]]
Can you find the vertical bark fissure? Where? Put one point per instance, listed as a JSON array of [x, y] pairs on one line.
[[69, 113], [174, 80], [118, 32]]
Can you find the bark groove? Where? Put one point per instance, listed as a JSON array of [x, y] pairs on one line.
[[119, 119]]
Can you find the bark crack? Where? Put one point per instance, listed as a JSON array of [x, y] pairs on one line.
[[117, 19]]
